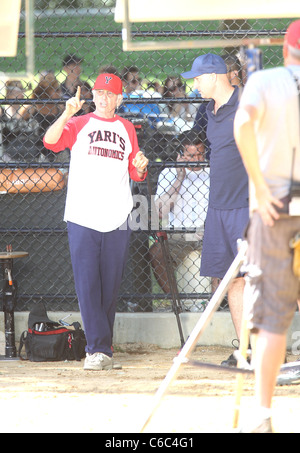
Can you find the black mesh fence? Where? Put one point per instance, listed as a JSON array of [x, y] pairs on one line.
[[74, 41]]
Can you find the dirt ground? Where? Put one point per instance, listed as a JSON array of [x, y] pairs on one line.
[[61, 397]]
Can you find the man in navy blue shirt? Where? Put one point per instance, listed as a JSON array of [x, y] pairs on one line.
[[235, 77], [228, 209]]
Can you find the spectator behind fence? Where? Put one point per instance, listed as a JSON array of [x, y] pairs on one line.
[[181, 200], [86, 94], [180, 113], [109, 69], [131, 81], [72, 68], [154, 88], [18, 134], [228, 209], [234, 69], [44, 113], [14, 90]]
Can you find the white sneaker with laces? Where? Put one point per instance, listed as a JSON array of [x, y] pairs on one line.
[[99, 361]]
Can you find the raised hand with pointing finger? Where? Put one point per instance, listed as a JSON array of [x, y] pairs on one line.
[[74, 104]]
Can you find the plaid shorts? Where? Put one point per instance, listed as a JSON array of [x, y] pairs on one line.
[[272, 289]]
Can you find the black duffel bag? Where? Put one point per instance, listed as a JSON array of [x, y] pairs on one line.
[[47, 340]]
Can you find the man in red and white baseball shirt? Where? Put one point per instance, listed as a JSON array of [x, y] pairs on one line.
[[104, 156]]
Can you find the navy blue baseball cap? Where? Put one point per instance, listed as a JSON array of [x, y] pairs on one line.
[[206, 64]]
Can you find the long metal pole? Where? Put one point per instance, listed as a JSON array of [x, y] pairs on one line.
[[198, 329]]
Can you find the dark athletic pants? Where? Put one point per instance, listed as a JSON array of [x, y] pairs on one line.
[[98, 261]]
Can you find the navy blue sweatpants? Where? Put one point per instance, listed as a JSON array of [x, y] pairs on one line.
[[98, 261]]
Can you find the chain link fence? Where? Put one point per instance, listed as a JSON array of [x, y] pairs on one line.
[[74, 41]]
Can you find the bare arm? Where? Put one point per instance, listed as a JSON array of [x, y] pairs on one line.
[[73, 105], [165, 202], [244, 134]]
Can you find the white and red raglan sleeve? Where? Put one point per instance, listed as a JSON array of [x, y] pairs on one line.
[[69, 135]]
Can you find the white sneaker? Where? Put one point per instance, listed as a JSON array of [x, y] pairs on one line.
[[100, 361]]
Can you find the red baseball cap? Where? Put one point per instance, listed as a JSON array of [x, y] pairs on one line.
[[108, 82], [292, 36]]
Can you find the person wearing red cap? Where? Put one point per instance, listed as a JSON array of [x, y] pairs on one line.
[[104, 156], [267, 133]]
